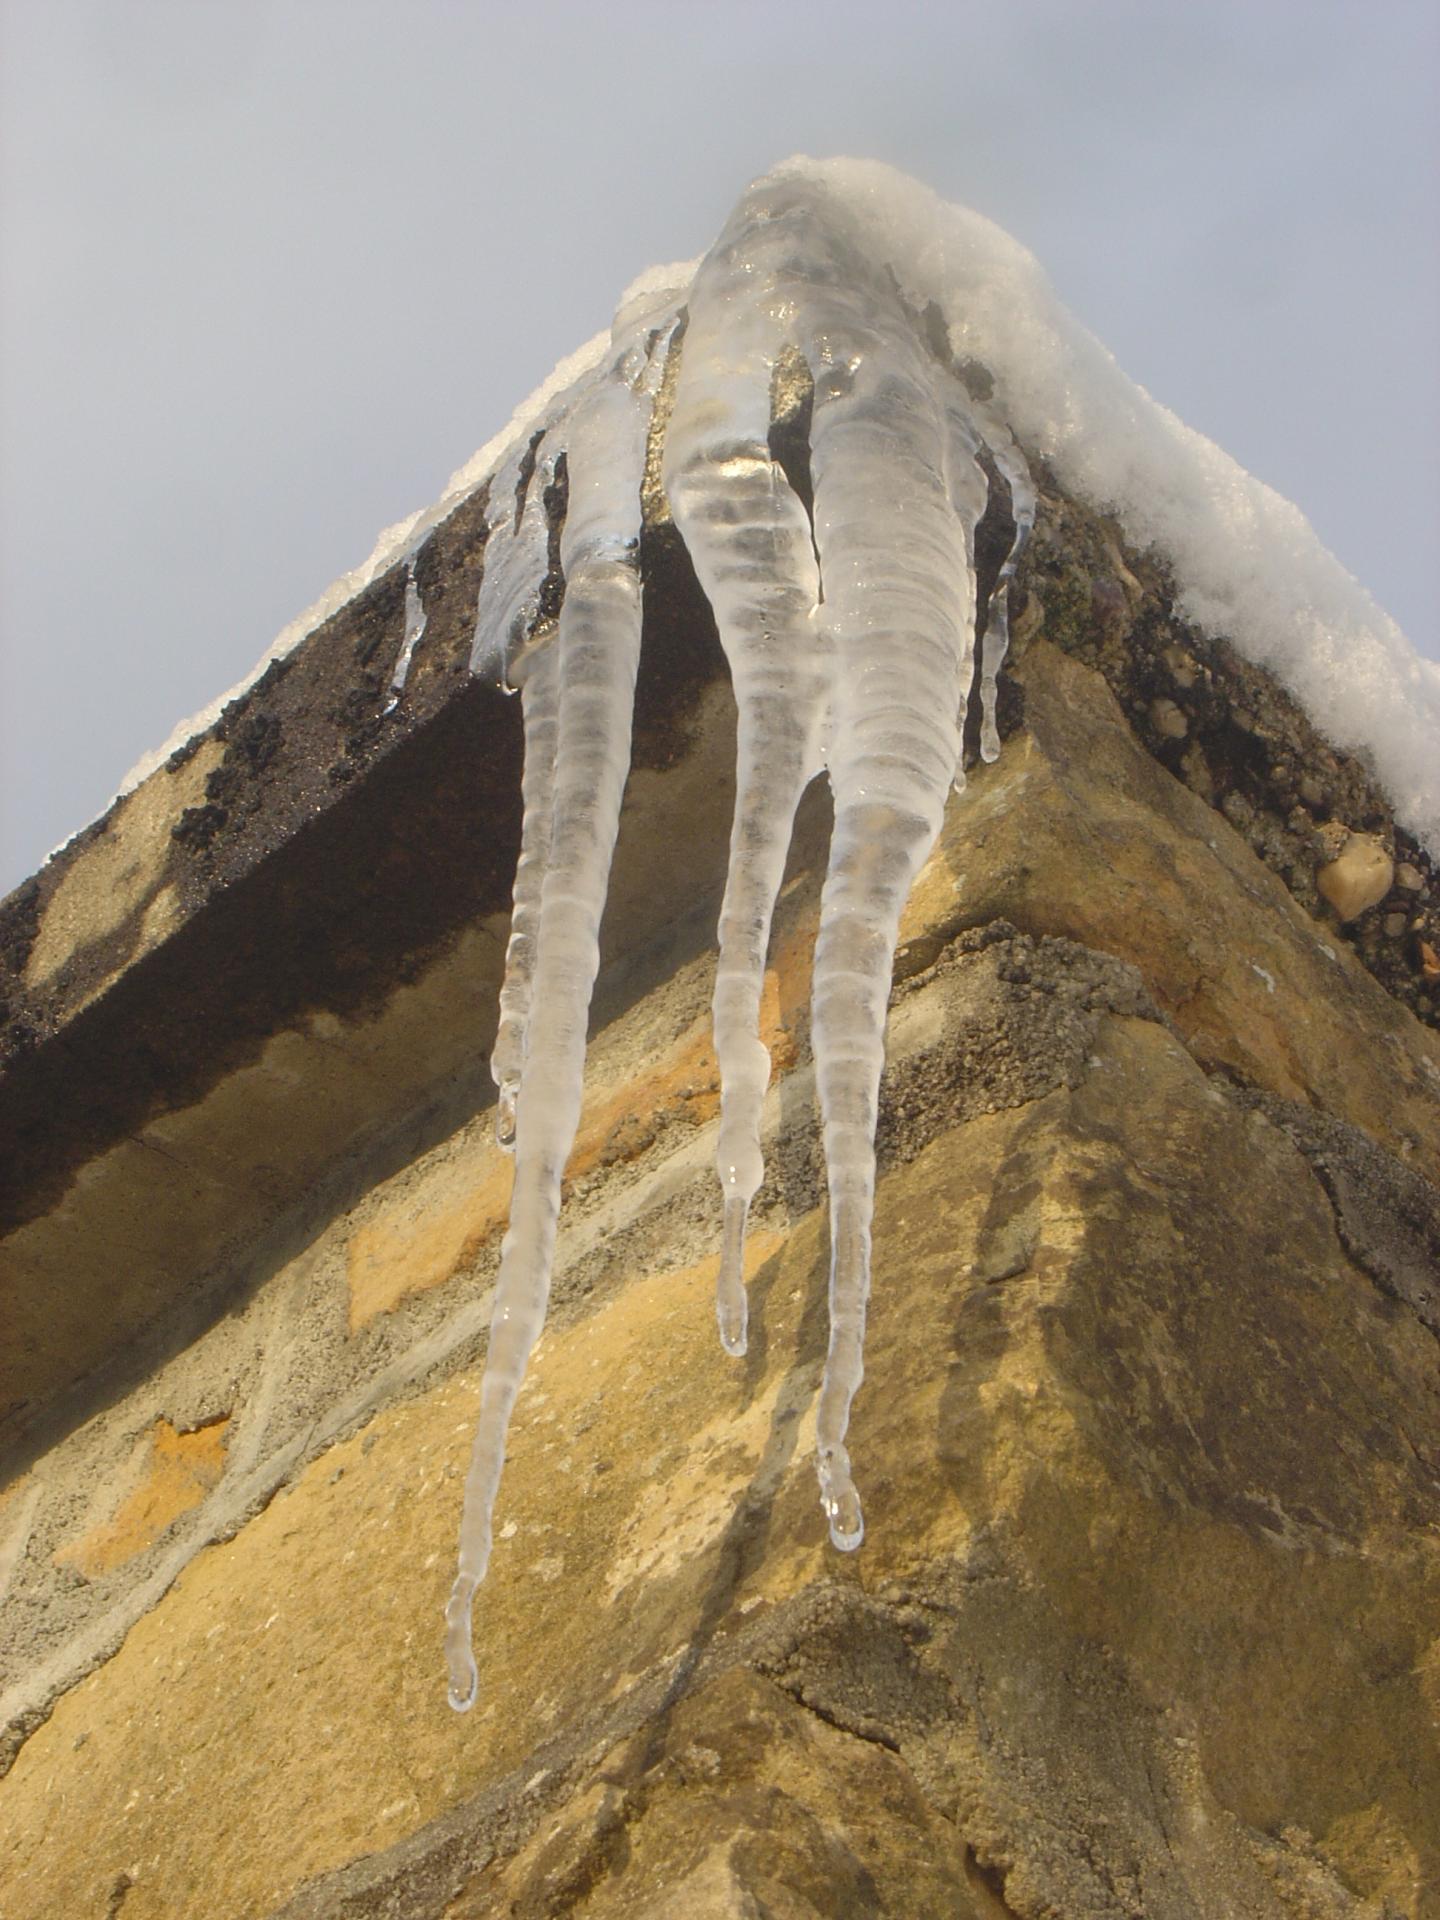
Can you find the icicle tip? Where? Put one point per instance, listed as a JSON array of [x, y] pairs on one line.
[[459, 1655]]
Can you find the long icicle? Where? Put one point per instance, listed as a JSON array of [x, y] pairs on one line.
[[510, 647], [750, 540], [598, 645], [893, 562]]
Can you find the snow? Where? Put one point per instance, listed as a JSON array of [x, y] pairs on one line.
[[1248, 565]]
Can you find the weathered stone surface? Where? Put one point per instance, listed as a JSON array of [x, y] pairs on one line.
[[361, 870], [1236, 738], [1077, 831], [1145, 1623]]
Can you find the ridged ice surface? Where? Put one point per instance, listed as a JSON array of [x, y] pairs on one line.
[[847, 615], [750, 539], [578, 693], [847, 612], [849, 632]]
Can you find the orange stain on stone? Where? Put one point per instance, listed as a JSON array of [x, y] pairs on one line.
[[439, 1228], [437, 1231], [177, 1470]]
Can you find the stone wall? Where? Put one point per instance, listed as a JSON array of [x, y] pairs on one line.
[[1145, 1622]]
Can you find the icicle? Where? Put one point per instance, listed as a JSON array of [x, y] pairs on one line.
[[879, 670], [1013, 470], [504, 646], [597, 650], [414, 634], [850, 635], [750, 540], [893, 563], [507, 632], [540, 709], [516, 558]]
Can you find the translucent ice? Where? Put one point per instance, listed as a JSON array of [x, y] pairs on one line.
[[750, 539], [577, 706], [848, 621]]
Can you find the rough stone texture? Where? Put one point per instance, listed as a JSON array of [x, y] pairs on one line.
[[1145, 1623]]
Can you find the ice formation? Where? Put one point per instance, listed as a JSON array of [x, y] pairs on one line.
[[848, 619], [1247, 564], [414, 634], [577, 688]]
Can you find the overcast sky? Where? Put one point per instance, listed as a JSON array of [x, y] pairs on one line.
[[270, 270]]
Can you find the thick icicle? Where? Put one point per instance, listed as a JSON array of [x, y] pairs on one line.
[[598, 646], [750, 540], [893, 563]]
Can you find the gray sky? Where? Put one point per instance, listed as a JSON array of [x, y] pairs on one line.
[[271, 269]]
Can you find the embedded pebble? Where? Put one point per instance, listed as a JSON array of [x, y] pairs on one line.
[[1181, 666], [1168, 719], [1360, 876]]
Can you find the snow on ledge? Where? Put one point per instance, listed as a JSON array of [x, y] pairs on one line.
[[1248, 566]]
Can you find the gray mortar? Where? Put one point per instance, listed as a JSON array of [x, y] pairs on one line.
[[1014, 1019], [996, 1021]]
